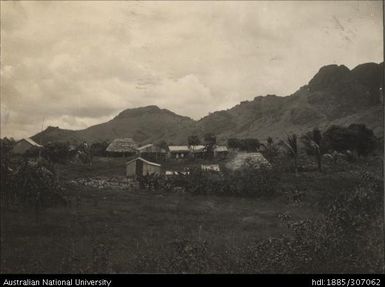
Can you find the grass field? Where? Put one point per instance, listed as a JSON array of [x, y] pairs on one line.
[[120, 231]]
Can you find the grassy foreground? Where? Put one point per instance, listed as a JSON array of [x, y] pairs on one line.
[[120, 231]]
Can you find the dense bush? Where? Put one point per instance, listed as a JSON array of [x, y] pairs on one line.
[[249, 182], [356, 137], [56, 152], [99, 149], [29, 185], [348, 238], [247, 144]]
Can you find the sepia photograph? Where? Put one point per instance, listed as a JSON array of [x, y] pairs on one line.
[[191, 137]]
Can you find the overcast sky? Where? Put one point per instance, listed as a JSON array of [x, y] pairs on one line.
[[74, 64]]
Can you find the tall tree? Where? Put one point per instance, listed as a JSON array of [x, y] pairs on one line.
[[364, 139], [162, 145], [193, 140], [250, 144], [312, 142], [291, 145], [270, 149], [233, 143], [210, 142]]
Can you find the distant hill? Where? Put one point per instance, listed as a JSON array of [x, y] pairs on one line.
[[145, 125], [335, 95]]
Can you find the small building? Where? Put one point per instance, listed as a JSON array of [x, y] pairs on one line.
[[197, 151], [220, 151], [122, 147], [26, 145], [152, 152], [210, 167], [244, 160], [140, 167], [178, 151]]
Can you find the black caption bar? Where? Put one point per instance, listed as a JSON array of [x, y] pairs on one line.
[[113, 280]]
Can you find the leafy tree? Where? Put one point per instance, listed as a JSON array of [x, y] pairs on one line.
[[233, 143], [99, 149], [364, 140], [210, 142], [6, 146], [56, 152], [338, 138], [250, 144], [193, 140], [270, 149], [162, 144], [356, 137], [85, 153], [312, 142], [291, 146]]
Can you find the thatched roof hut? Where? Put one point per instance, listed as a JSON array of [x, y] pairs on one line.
[[124, 145], [244, 160]]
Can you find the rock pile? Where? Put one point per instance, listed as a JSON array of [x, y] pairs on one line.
[[104, 182]]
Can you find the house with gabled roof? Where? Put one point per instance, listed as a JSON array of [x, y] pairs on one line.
[[26, 145], [178, 151], [152, 152], [140, 167]]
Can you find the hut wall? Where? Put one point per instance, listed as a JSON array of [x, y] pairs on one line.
[[21, 147], [150, 169], [131, 169]]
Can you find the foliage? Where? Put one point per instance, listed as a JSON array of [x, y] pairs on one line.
[[85, 153], [31, 184], [99, 148], [247, 182], [348, 238], [291, 146], [162, 145], [247, 144], [270, 150], [356, 137], [6, 171], [56, 152], [312, 143], [210, 141], [193, 140], [364, 140]]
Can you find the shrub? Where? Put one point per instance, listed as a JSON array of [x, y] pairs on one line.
[[348, 239], [56, 152], [31, 184], [249, 182]]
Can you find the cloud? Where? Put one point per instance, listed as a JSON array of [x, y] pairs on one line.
[[74, 64]]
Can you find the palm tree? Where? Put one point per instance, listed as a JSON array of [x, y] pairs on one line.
[[270, 149], [312, 142], [291, 146]]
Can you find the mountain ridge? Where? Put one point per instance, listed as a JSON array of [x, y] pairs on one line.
[[335, 95]]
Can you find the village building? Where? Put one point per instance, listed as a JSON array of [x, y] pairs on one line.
[[152, 152], [220, 151], [140, 167], [197, 151], [122, 147], [244, 160], [210, 167], [26, 145], [178, 152]]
